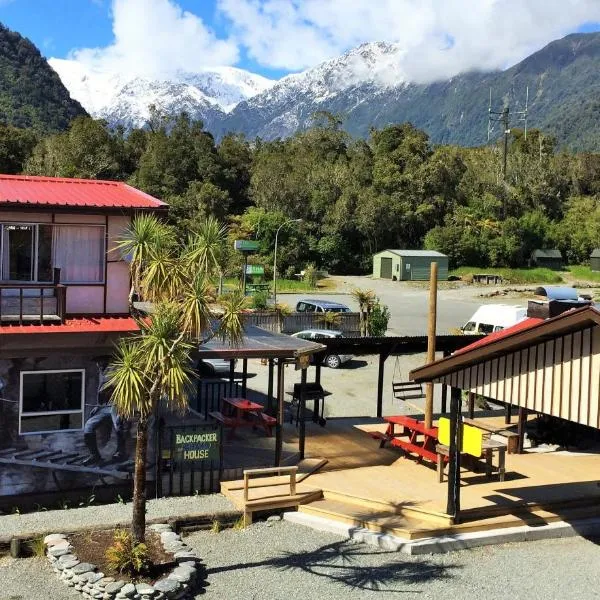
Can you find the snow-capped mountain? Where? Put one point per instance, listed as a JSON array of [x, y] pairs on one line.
[[346, 82], [121, 100]]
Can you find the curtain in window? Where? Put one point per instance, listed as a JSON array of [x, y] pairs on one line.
[[79, 253]]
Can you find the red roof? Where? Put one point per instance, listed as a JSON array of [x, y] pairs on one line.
[[78, 325], [86, 193], [500, 335]]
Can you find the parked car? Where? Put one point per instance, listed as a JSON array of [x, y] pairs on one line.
[[493, 317], [334, 361], [214, 366], [321, 306]]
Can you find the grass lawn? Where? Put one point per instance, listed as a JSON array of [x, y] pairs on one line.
[[515, 276], [288, 285], [583, 273]]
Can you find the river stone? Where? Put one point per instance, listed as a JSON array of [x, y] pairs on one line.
[[128, 589], [168, 536], [168, 586], [69, 563], [183, 575], [114, 586], [104, 582], [144, 588], [82, 568], [173, 546], [183, 556], [56, 552], [54, 538], [160, 527]]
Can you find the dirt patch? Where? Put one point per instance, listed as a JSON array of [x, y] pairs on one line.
[[90, 547]]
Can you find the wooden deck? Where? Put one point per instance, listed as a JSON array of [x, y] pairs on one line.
[[380, 489]]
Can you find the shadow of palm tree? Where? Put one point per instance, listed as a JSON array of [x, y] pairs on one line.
[[343, 562]]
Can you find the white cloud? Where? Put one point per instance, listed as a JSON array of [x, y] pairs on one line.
[[439, 38], [155, 38]]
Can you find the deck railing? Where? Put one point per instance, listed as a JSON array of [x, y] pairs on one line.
[[33, 302]]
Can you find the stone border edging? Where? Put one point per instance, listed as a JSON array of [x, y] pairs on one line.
[[92, 584]]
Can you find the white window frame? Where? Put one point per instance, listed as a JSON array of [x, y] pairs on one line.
[[51, 412], [36, 227]]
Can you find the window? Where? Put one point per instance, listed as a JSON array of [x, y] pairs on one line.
[[25, 252], [470, 326], [485, 328], [51, 401], [79, 253]]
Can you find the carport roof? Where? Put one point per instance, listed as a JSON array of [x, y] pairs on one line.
[[414, 253], [260, 343]]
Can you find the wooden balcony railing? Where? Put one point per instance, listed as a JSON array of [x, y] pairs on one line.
[[33, 302]]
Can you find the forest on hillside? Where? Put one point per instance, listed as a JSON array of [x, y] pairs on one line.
[[355, 197]]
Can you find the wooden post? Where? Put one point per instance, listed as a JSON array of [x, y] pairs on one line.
[[507, 413], [231, 376], [521, 428], [471, 405], [431, 341], [382, 359], [302, 441], [244, 377], [279, 426], [453, 505], [269, 409], [318, 373], [445, 390]]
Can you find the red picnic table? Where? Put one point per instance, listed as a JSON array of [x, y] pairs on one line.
[[243, 413], [423, 446]]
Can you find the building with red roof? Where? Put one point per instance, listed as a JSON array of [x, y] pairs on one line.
[[64, 289]]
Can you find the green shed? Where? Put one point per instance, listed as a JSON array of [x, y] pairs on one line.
[[551, 258], [595, 259], [409, 265]]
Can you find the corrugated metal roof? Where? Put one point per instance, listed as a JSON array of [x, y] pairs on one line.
[[415, 253], [76, 325], [21, 190], [595, 253], [546, 253]]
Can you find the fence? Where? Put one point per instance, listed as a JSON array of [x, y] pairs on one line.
[[349, 323], [211, 392], [191, 461]]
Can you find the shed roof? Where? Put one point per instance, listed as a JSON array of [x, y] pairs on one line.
[[521, 335], [26, 190], [595, 253], [547, 253], [411, 253], [260, 343]]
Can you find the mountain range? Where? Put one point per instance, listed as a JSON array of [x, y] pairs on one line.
[[365, 87]]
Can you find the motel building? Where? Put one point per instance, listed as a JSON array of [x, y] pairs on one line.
[[63, 304]]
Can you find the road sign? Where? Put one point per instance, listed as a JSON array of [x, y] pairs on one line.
[[245, 245]]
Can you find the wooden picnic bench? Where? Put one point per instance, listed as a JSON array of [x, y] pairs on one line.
[[488, 448], [421, 440], [512, 437]]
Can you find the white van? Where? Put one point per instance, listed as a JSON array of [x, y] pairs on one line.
[[493, 317]]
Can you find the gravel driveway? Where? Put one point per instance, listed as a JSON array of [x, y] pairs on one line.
[[290, 562]]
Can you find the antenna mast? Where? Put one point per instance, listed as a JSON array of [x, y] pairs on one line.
[[503, 116]]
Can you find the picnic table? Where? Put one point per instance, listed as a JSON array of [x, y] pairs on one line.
[[240, 412], [488, 448], [421, 440]]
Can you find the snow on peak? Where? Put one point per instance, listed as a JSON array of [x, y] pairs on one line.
[[114, 95]]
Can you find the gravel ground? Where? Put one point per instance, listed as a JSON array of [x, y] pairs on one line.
[[110, 514], [291, 562]]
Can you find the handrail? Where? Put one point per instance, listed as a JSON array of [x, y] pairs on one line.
[[60, 295], [291, 471]]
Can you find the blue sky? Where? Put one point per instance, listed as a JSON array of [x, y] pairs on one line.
[[275, 37]]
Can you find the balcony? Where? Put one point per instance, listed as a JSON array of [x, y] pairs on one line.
[[31, 303]]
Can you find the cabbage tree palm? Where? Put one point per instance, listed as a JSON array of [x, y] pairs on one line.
[[154, 366], [366, 301]]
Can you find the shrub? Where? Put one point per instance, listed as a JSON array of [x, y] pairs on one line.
[[379, 319], [125, 556], [36, 547], [260, 300], [311, 275]]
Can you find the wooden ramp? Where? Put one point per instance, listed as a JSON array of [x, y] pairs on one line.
[[273, 490]]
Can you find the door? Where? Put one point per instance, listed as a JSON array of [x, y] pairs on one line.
[[386, 268], [17, 252]]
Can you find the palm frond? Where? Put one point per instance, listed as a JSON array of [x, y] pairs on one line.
[[205, 248], [195, 307], [163, 277], [231, 326], [127, 381]]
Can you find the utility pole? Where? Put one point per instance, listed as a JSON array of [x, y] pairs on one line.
[[503, 117], [431, 327]]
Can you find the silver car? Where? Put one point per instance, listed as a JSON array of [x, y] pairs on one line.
[[334, 361]]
